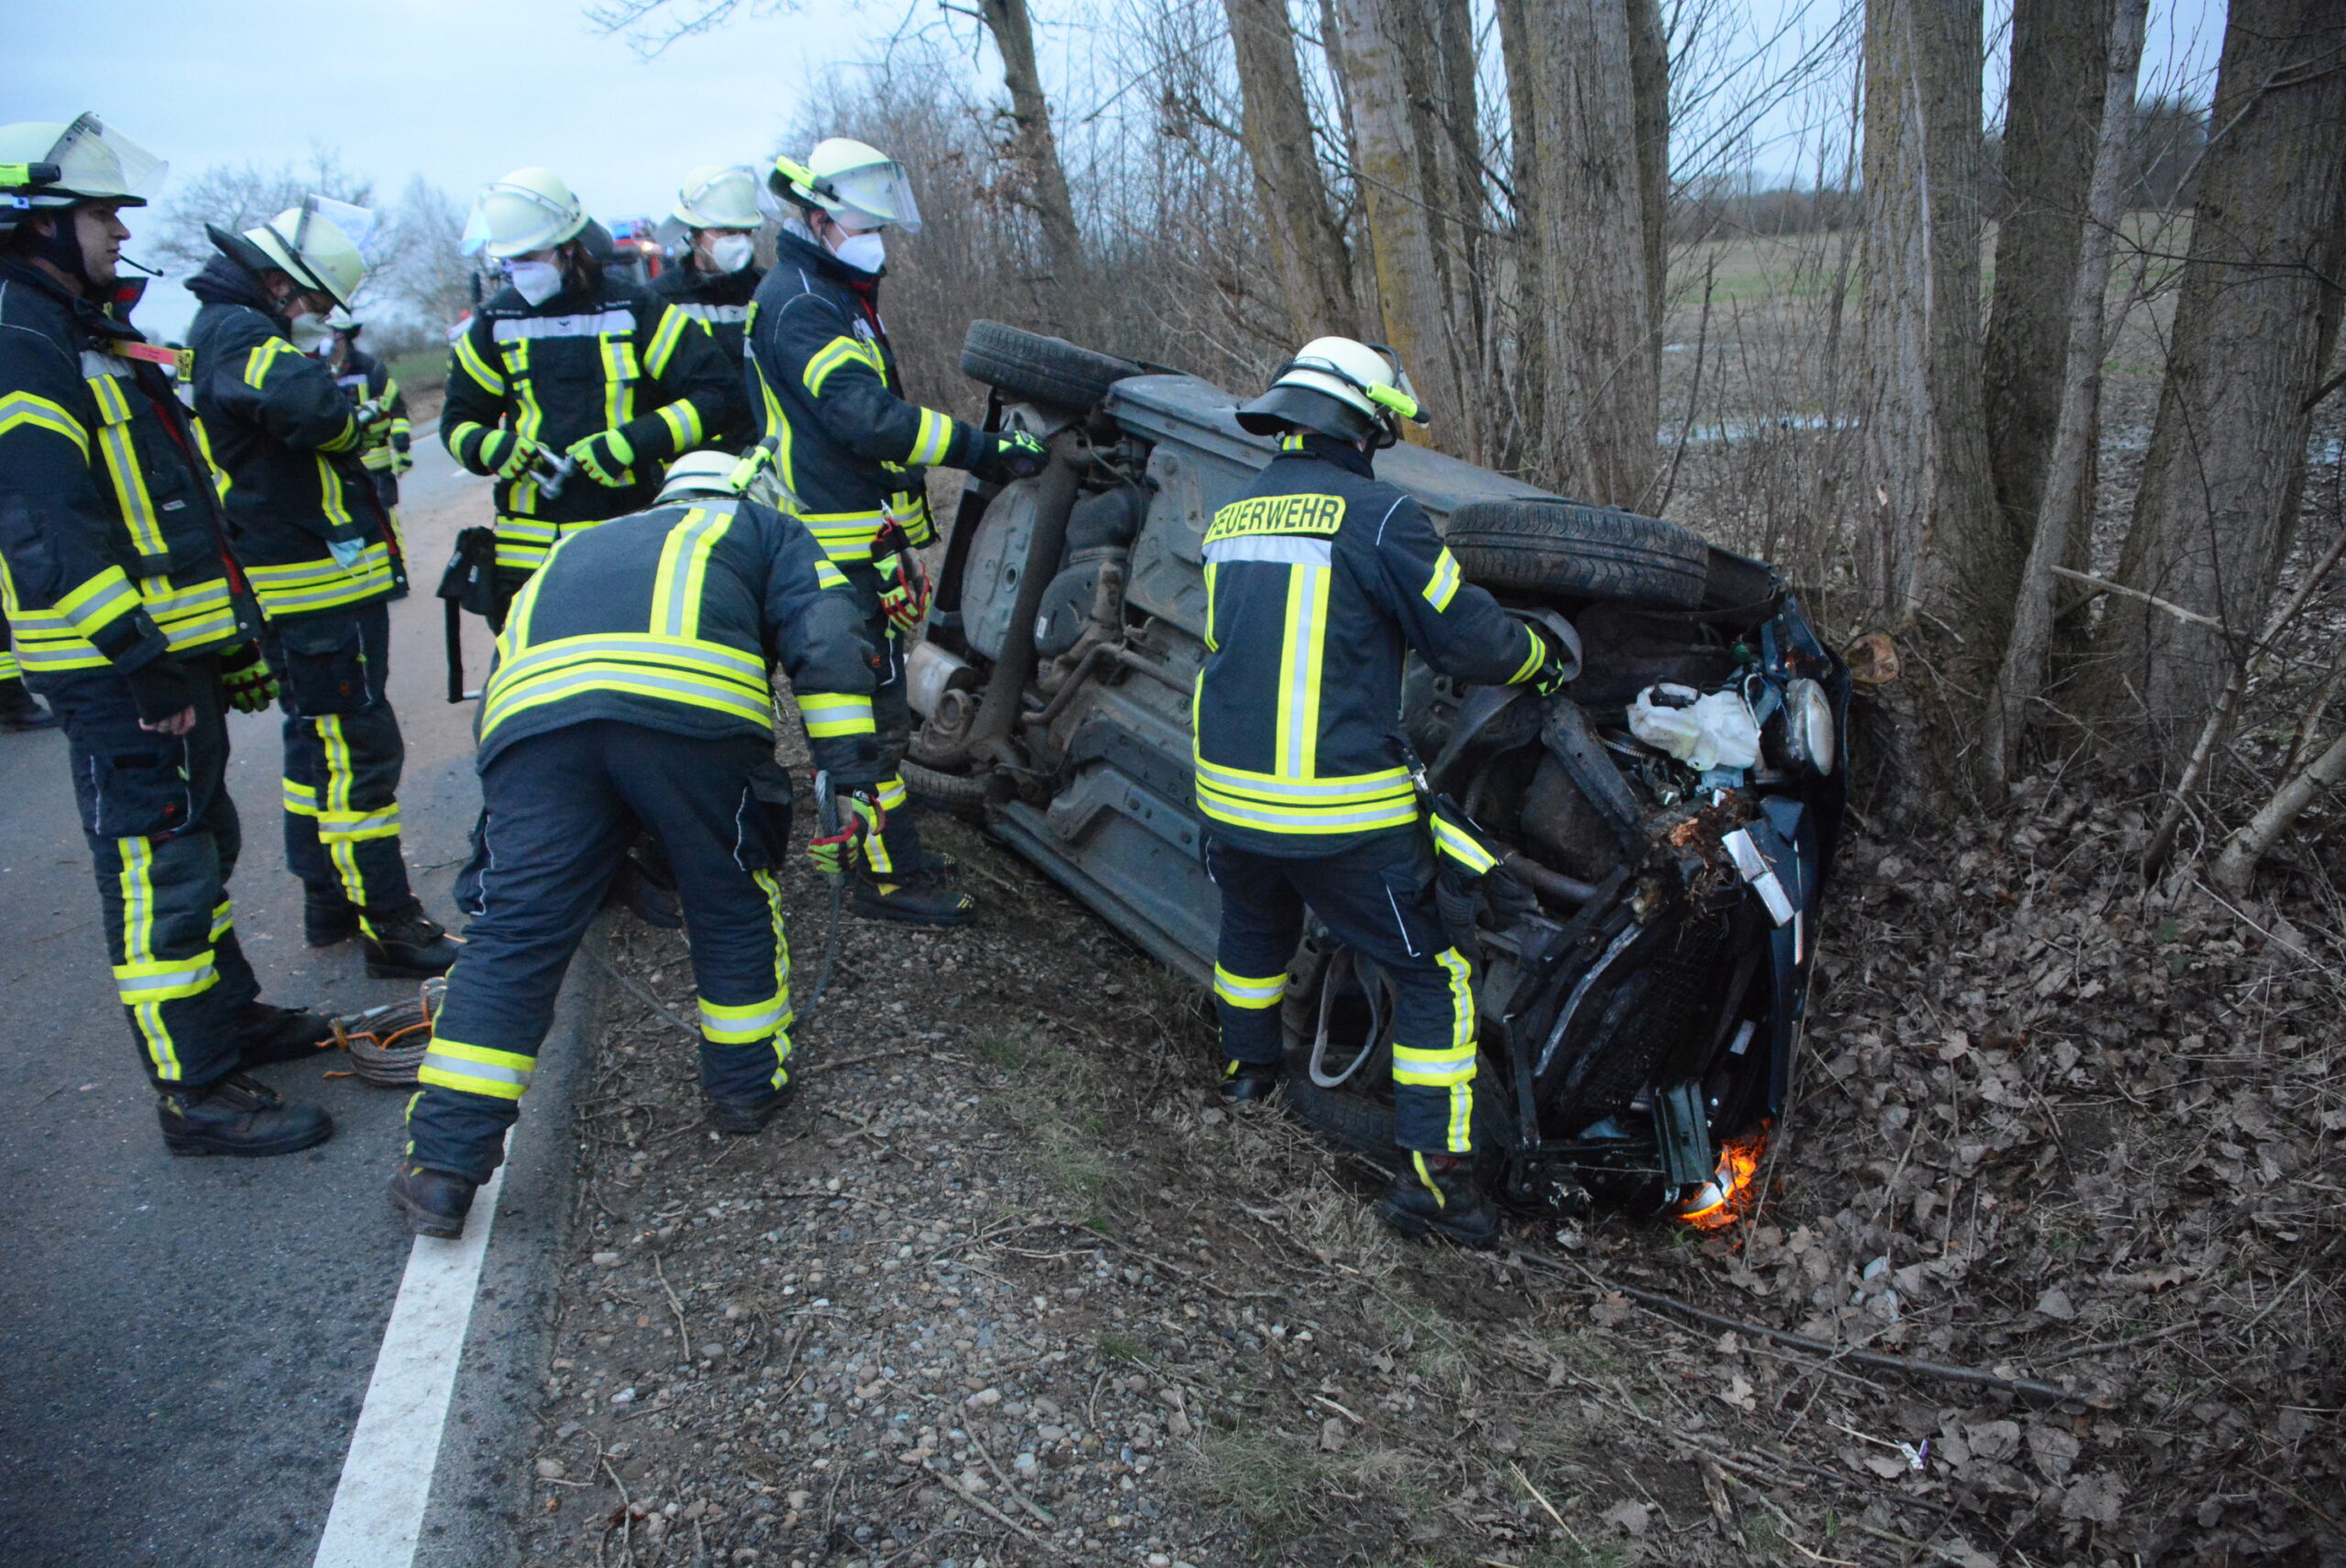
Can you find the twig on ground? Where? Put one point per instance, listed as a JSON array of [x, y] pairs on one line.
[[1541, 1499], [994, 1513]]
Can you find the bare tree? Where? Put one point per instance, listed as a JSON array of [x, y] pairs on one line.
[[1935, 543], [2061, 57], [2254, 327], [1580, 190], [2065, 492], [236, 197], [1032, 145], [1306, 244]]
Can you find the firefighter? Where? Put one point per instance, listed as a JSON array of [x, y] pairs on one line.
[[375, 395], [853, 455], [131, 620], [632, 687], [570, 386], [1317, 581], [719, 275], [310, 533]]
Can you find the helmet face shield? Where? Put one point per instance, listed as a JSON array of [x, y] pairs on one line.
[[319, 245], [101, 164], [876, 195], [720, 198]]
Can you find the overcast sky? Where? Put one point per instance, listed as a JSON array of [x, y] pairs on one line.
[[460, 91]]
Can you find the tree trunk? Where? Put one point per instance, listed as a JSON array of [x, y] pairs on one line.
[[2254, 324], [1038, 152], [2066, 490], [1650, 80], [2247, 849], [1388, 60], [1933, 545], [1306, 248], [2060, 63], [1582, 177]]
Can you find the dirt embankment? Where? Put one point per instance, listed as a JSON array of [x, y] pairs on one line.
[[1005, 1286]]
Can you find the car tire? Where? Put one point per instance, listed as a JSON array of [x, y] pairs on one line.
[[1574, 551], [1026, 367], [1363, 1122]]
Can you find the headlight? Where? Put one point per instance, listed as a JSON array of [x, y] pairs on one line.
[[1808, 725]]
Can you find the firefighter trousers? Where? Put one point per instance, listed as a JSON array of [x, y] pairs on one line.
[[1376, 897], [343, 759], [560, 811], [163, 840], [896, 851]]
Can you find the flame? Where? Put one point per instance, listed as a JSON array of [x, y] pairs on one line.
[[1722, 1201]]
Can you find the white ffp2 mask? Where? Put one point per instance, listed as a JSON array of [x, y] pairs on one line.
[[729, 252], [864, 252], [536, 281], [310, 333]]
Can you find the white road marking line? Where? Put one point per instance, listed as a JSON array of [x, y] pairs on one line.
[[386, 1478]]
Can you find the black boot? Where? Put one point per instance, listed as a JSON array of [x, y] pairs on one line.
[[265, 1033], [409, 946], [238, 1115], [1435, 1194], [744, 1114], [20, 710], [911, 900], [635, 890], [1249, 1080], [327, 918], [433, 1202]]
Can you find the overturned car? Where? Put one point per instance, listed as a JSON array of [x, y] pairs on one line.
[[1638, 1009]]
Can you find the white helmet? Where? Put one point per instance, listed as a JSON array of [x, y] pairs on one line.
[[315, 243], [341, 320], [529, 210], [849, 179], [720, 196], [698, 474], [1340, 388], [45, 166]]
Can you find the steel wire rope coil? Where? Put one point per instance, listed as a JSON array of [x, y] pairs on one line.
[[389, 1049]]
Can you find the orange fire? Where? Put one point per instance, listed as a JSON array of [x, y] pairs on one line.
[[1723, 1200]]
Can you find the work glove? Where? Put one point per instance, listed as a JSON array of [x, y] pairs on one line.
[[1554, 671], [1009, 454], [606, 455], [838, 852], [1457, 896], [904, 580], [402, 460], [507, 454], [251, 683]]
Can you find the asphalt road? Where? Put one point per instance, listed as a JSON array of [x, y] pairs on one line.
[[185, 1344]]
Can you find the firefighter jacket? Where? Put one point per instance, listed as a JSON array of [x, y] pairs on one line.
[[111, 551], [287, 442], [673, 619], [589, 359], [719, 301], [847, 445], [1318, 583], [367, 380]]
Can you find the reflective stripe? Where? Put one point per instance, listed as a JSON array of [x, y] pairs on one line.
[[136, 884], [1358, 789], [1442, 587], [830, 714], [164, 979], [322, 584], [485, 376], [40, 413], [934, 438], [99, 602], [475, 1070], [348, 826], [844, 535], [655, 651], [123, 465], [1252, 994], [9, 669], [1460, 845], [725, 315], [224, 918], [665, 337], [636, 680], [831, 356], [1293, 819], [747, 1024], [772, 890], [684, 571], [618, 385], [1297, 745], [683, 421], [301, 800], [1283, 550], [263, 355], [333, 805], [890, 793], [516, 329], [192, 619], [827, 575], [1531, 662]]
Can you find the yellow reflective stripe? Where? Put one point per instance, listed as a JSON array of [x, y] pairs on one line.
[[935, 436], [1460, 846], [1356, 789], [673, 323], [123, 467], [1278, 817], [264, 354], [684, 572], [829, 357], [1531, 662], [9, 669], [618, 379], [163, 979], [475, 1070], [330, 495], [334, 805], [100, 601], [844, 535], [835, 713], [772, 890], [574, 666], [40, 413], [137, 883], [827, 575], [1211, 646], [223, 918], [486, 376], [1291, 442], [320, 585], [1442, 587], [1297, 744], [747, 1024], [1459, 1135], [528, 420], [345, 438], [891, 793], [1254, 994], [191, 617], [348, 826], [683, 421], [301, 799], [520, 660]]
